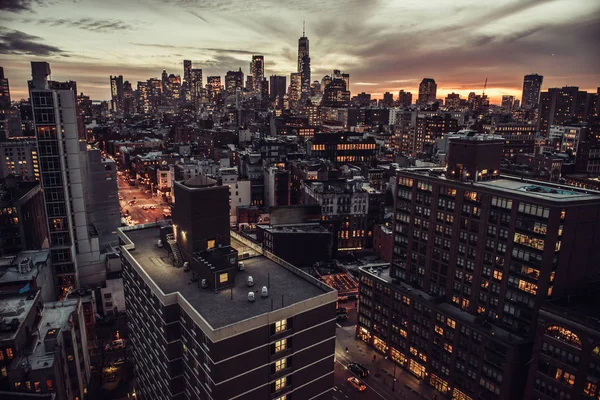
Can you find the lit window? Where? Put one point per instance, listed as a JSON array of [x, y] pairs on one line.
[[49, 384], [36, 386], [280, 326], [223, 278], [280, 364], [9, 353], [280, 345], [3, 372], [211, 244], [280, 383], [564, 335]]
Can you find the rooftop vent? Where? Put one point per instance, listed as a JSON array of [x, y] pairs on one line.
[[250, 296], [204, 283], [250, 281], [264, 292]]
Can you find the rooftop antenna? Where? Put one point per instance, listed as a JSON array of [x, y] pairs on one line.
[[303, 28], [484, 86]]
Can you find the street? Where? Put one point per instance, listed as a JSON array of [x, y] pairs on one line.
[[136, 211], [379, 382]]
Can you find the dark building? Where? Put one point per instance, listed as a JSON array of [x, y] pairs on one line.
[[116, 93], [304, 63], [476, 256], [336, 94], [388, 100], [383, 242], [343, 148], [518, 138], [253, 330], [278, 87], [277, 185], [363, 99], [377, 116], [234, 80], [563, 106], [532, 85], [404, 99], [22, 217], [4, 91], [427, 91], [565, 362], [428, 129]]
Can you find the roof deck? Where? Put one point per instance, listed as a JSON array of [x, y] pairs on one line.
[[229, 306]]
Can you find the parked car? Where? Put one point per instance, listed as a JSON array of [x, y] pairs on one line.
[[358, 369], [357, 384]]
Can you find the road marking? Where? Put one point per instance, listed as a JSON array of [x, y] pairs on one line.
[[338, 325], [369, 386]]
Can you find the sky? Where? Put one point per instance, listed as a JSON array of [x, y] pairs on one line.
[[385, 45]]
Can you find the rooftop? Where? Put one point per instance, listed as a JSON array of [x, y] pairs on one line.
[[10, 271], [13, 311], [228, 306], [295, 228]]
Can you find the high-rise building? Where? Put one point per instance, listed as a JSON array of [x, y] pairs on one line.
[[363, 99], [325, 82], [128, 99], [278, 87], [233, 81], [4, 91], [336, 94], [213, 85], [116, 93], [404, 99], [452, 101], [74, 242], [255, 329], [337, 74], [560, 106], [144, 92], [508, 102], [295, 89], [19, 157], [195, 84], [427, 91], [388, 100], [304, 62], [532, 85], [475, 256], [258, 74], [187, 79]]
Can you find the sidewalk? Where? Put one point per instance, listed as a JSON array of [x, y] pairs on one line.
[[381, 375]]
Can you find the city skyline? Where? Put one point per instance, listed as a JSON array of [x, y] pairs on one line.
[[502, 43]]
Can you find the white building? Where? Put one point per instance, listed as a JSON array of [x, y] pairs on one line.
[[564, 138], [239, 192]]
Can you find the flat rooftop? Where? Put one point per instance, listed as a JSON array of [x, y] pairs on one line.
[[513, 185], [295, 228], [228, 306], [15, 308]]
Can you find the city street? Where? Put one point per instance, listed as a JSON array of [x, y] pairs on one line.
[[379, 381], [136, 211]]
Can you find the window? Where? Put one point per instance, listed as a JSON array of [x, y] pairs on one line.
[[36, 387], [280, 383], [280, 326], [564, 335], [280, 345], [564, 377], [280, 364], [9, 353], [223, 278], [211, 244]]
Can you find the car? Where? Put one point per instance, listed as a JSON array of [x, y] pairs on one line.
[[145, 207], [358, 369], [357, 384], [119, 361], [341, 310], [153, 207], [341, 317]]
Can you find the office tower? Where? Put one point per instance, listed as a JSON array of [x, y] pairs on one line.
[[519, 138], [342, 149], [453, 101], [363, 99], [325, 82], [195, 84], [164, 79], [532, 85], [427, 91], [116, 93], [249, 83], [508, 102], [261, 329], [337, 74], [157, 92], [559, 106], [304, 62], [336, 94], [388, 100], [174, 87], [144, 97], [187, 79], [128, 99], [213, 84], [73, 240], [295, 89], [429, 129], [404, 99], [233, 81], [258, 74], [476, 254], [4, 91], [278, 87], [22, 216]]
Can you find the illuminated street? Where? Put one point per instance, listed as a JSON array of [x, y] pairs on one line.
[[136, 211]]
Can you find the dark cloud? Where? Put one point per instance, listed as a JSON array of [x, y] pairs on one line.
[[200, 17], [18, 6], [17, 42], [202, 49], [87, 24]]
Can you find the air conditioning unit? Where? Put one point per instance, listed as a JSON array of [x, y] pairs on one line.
[[264, 292], [204, 283], [241, 266], [250, 296], [250, 282]]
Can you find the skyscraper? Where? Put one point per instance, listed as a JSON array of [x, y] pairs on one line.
[[63, 177], [427, 91], [258, 74], [532, 85], [195, 84], [116, 93], [508, 102], [278, 87], [337, 74], [404, 99], [295, 89], [127, 98], [388, 100], [304, 61], [233, 81], [4, 91], [213, 84], [187, 77]]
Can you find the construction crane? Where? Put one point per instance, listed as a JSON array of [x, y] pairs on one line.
[[484, 86]]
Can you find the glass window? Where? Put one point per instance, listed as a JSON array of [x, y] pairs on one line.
[[280, 364], [280, 383], [280, 345], [211, 244], [280, 326], [223, 278]]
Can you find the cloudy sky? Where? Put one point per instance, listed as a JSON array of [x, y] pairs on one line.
[[385, 45]]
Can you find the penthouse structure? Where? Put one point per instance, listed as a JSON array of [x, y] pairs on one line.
[[215, 328], [475, 256]]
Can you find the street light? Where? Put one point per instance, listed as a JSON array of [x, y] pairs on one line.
[[394, 380]]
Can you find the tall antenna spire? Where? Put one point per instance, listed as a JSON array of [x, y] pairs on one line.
[[303, 28]]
